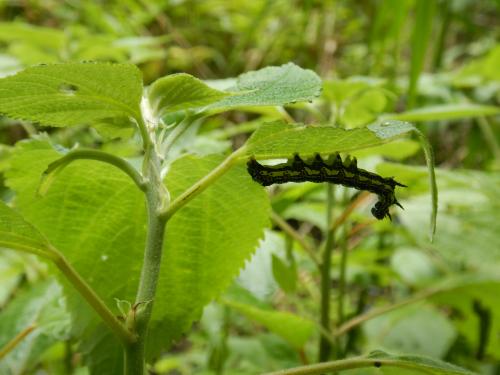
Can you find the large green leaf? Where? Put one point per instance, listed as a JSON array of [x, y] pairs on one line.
[[72, 93], [447, 112], [397, 150], [293, 328], [272, 86], [278, 139], [207, 241], [179, 92]]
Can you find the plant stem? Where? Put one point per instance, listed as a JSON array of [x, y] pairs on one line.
[[342, 288], [143, 307], [324, 345], [91, 297], [202, 184], [349, 210], [57, 166], [52, 254], [16, 340]]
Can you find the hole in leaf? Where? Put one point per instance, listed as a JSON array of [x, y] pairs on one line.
[[68, 89]]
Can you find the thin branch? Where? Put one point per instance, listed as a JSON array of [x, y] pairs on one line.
[[325, 272], [91, 297], [287, 228], [199, 186], [360, 319], [342, 277], [52, 254], [349, 210], [16, 340], [57, 166]]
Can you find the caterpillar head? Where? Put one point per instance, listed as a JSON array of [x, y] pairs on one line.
[[380, 210]]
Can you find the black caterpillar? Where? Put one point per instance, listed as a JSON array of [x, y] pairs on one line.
[[334, 171]]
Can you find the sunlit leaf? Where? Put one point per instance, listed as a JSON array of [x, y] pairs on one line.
[[272, 86], [72, 93], [180, 92], [278, 139]]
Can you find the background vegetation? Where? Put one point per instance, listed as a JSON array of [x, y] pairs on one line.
[[433, 63]]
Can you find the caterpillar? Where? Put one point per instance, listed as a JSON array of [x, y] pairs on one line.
[[334, 171]]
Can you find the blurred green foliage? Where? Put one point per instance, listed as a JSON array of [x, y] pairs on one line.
[[432, 62]]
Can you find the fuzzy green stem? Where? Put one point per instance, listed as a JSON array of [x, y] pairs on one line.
[[325, 345], [202, 184], [143, 307], [143, 130]]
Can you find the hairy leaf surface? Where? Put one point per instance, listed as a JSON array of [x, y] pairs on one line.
[[272, 86], [278, 139], [72, 93]]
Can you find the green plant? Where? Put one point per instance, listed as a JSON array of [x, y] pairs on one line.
[[202, 217]]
